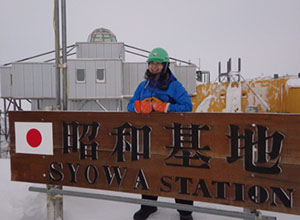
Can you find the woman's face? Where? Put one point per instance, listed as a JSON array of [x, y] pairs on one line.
[[155, 67]]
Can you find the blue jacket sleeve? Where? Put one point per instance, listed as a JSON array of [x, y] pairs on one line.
[[183, 101], [136, 96]]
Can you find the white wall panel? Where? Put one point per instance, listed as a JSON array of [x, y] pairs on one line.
[[85, 51], [119, 77], [5, 79], [113, 75], [100, 89], [133, 75], [79, 50], [48, 75], [71, 78], [52, 71], [108, 51], [100, 50], [28, 80], [90, 72], [91, 89], [80, 87], [92, 51], [38, 79], [126, 79], [118, 51], [192, 79], [33, 80], [18, 80], [187, 76], [142, 67]]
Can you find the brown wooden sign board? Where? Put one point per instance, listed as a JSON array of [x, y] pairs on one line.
[[246, 160]]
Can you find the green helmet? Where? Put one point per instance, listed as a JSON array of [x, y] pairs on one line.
[[158, 55]]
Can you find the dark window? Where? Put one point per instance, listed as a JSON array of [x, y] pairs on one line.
[[80, 76], [100, 75]]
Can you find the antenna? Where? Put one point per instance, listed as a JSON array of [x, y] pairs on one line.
[[229, 74], [229, 65]]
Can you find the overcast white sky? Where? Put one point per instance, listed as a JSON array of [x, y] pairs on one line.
[[264, 33]]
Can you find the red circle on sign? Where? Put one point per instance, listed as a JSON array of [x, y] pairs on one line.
[[34, 137]]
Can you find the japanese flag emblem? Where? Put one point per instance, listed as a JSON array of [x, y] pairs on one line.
[[34, 138]]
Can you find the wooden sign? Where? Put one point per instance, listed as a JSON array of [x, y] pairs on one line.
[[246, 160]]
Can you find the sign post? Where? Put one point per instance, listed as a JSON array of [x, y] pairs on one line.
[[239, 159]]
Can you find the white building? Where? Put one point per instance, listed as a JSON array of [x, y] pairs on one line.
[[99, 78]]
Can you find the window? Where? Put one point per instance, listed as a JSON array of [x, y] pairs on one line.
[[80, 76], [100, 75], [106, 38]]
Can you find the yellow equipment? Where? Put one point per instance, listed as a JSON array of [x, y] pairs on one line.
[[280, 95]]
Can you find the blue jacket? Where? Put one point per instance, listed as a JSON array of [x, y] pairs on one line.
[[176, 95]]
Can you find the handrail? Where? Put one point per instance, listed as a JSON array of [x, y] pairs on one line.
[[212, 211], [35, 56]]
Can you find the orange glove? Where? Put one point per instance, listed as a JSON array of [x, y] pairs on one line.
[[142, 106], [160, 107]]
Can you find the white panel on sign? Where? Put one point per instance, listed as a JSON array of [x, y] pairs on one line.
[[34, 138]]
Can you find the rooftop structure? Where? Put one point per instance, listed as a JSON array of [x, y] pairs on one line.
[[102, 35], [99, 78]]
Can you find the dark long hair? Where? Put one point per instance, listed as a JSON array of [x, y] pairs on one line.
[[159, 80]]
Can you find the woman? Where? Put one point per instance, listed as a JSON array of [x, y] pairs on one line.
[[160, 92]]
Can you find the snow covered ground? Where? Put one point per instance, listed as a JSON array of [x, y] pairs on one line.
[[17, 203]]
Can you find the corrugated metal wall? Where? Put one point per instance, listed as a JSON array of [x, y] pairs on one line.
[[133, 75], [6, 81], [99, 105], [100, 50], [33, 80], [187, 76], [91, 89], [37, 80]]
